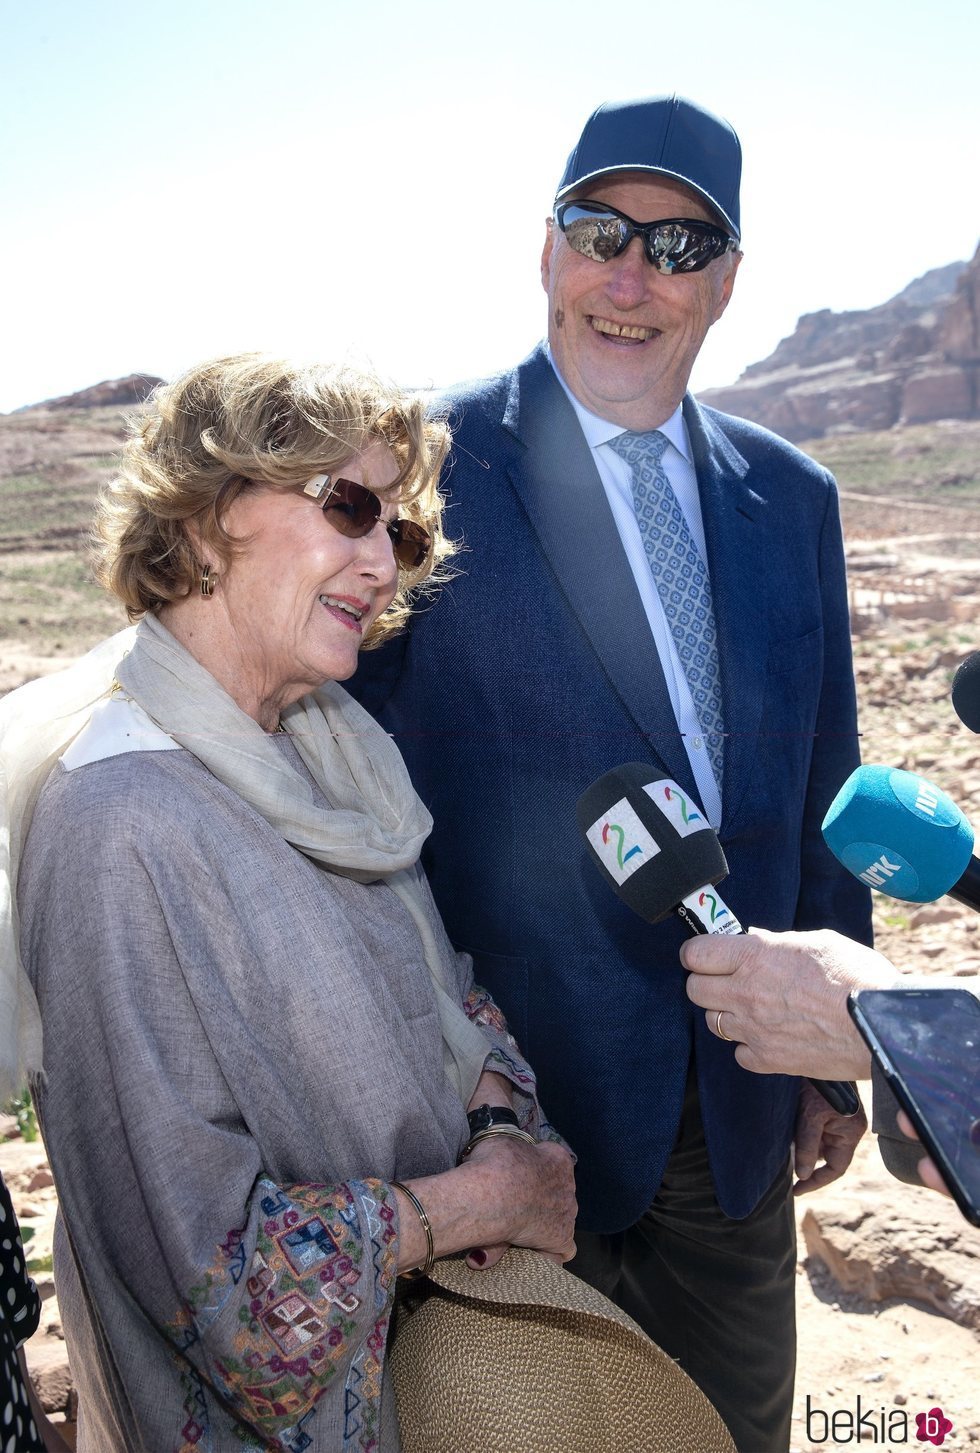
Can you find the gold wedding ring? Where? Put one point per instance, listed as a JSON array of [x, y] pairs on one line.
[[718, 1029]]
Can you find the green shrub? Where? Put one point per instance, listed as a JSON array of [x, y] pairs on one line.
[[22, 1109]]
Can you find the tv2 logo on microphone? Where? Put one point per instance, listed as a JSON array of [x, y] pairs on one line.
[[679, 810], [621, 842]]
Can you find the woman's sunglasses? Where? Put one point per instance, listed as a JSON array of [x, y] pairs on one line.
[[354, 510], [678, 244]]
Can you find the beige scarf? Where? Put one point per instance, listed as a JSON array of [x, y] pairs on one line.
[[375, 830]]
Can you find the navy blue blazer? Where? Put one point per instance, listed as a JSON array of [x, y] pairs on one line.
[[533, 673]]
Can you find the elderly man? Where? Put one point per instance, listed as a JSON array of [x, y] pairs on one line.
[[644, 580]]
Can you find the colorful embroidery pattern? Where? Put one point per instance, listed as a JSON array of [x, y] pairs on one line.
[[505, 1058], [482, 1010], [297, 1328]]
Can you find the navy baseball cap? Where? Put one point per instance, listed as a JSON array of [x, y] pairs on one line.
[[665, 135]]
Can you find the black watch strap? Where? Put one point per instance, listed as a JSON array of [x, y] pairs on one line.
[[486, 1115]]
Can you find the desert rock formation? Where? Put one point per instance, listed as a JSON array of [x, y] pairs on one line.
[[914, 359]]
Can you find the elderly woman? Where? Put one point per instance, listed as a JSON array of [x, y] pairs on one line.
[[260, 1048]]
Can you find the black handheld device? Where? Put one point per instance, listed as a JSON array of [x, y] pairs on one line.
[[927, 1043]]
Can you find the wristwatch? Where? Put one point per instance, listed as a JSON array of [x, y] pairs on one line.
[[486, 1115]]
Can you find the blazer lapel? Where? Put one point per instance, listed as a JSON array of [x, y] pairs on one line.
[[566, 504], [736, 523]]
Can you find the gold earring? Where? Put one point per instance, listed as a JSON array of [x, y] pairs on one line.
[[207, 581]]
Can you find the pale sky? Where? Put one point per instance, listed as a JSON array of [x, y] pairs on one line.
[[370, 180]]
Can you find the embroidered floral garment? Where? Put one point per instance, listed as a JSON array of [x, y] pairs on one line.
[[242, 1052], [298, 1324]]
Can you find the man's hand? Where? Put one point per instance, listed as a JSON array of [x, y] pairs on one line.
[[822, 1134], [929, 1173], [783, 998]]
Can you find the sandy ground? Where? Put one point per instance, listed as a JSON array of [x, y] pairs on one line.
[[896, 1356]]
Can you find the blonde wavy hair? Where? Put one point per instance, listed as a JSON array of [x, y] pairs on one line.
[[250, 419]]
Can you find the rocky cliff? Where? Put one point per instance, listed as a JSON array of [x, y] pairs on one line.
[[911, 360], [121, 392]]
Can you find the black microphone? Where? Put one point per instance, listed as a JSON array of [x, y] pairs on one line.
[[657, 851], [966, 692]]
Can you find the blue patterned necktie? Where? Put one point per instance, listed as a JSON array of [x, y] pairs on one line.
[[682, 581]]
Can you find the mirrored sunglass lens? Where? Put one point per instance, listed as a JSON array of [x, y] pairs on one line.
[[352, 509], [683, 249], [410, 543], [597, 235]]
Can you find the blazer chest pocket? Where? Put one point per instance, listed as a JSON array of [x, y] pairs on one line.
[[789, 709], [803, 653]]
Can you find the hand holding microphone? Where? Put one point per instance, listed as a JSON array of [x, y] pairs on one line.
[[658, 853], [784, 996], [903, 835]]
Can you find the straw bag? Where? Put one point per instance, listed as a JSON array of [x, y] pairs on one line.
[[525, 1356]]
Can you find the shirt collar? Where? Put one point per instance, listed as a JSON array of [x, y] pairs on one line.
[[599, 431]]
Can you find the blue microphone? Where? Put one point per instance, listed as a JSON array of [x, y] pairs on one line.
[[901, 834]]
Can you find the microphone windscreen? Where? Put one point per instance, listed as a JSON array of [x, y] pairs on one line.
[[650, 841], [898, 832], [966, 692]]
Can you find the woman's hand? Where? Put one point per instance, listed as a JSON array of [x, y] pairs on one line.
[[538, 1186], [508, 1193], [496, 1089]]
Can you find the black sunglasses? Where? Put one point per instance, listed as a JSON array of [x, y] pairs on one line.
[[354, 510], [677, 244]]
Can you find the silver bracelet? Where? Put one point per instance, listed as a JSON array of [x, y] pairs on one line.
[[512, 1130], [425, 1266]]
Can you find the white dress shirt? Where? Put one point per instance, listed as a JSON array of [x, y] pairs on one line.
[[616, 477]]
